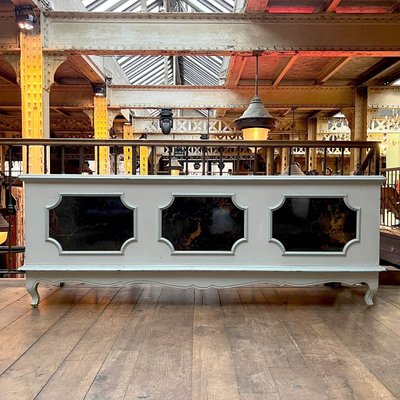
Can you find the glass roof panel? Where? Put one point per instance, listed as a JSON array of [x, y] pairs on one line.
[[145, 70]]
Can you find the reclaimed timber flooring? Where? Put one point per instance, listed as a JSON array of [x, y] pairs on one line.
[[158, 343]]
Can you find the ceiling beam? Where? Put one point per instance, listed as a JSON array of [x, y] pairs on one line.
[[284, 68], [9, 78], [395, 7], [284, 113], [316, 114], [61, 112], [331, 69], [235, 70], [237, 63], [384, 97], [333, 6], [24, 3], [187, 97], [254, 6], [176, 70], [379, 71], [227, 34], [86, 67]]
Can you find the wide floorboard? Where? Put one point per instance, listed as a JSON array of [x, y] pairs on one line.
[[158, 343]]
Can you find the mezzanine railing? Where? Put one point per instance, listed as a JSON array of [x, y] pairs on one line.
[[390, 198], [244, 157]]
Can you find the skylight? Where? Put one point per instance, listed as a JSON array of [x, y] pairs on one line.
[[160, 70]]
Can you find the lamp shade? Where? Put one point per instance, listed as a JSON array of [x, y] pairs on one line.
[[175, 166], [99, 90], [166, 121], [25, 18], [255, 133], [3, 229], [255, 116], [294, 169]]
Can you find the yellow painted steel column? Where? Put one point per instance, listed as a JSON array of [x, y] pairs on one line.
[[144, 157], [128, 134], [100, 122], [34, 99], [312, 135]]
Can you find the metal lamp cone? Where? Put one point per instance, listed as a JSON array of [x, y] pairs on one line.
[[294, 170], [3, 229], [175, 166], [3, 224], [255, 116]]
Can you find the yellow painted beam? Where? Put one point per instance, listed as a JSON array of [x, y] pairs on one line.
[[100, 122], [128, 134], [32, 96]]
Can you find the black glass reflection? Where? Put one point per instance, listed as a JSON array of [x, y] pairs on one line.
[[314, 224], [91, 223], [202, 223]]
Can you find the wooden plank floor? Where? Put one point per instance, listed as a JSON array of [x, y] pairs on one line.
[[148, 342]]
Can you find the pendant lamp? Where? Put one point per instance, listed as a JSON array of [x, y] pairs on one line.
[[256, 121]]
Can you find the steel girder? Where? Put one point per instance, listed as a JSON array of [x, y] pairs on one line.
[[223, 34], [384, 97], [309, 97]]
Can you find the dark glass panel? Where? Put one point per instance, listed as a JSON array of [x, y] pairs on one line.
[[314, 224], [91, 223], [203, 223]]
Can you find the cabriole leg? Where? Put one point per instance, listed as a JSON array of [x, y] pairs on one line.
[[32, 288], [372, 288]]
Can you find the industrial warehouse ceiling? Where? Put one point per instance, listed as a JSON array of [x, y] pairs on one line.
[[172, 70], [278, 69], [275, 69], [160, 5]]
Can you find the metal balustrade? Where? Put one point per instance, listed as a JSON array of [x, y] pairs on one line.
[[390, 198], [261, 157]]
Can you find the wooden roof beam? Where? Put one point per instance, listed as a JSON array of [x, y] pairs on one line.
[[8, 78], [284, 68], [331, 69], [333, 6], [235, 70], [84, 66], [378, 71]]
